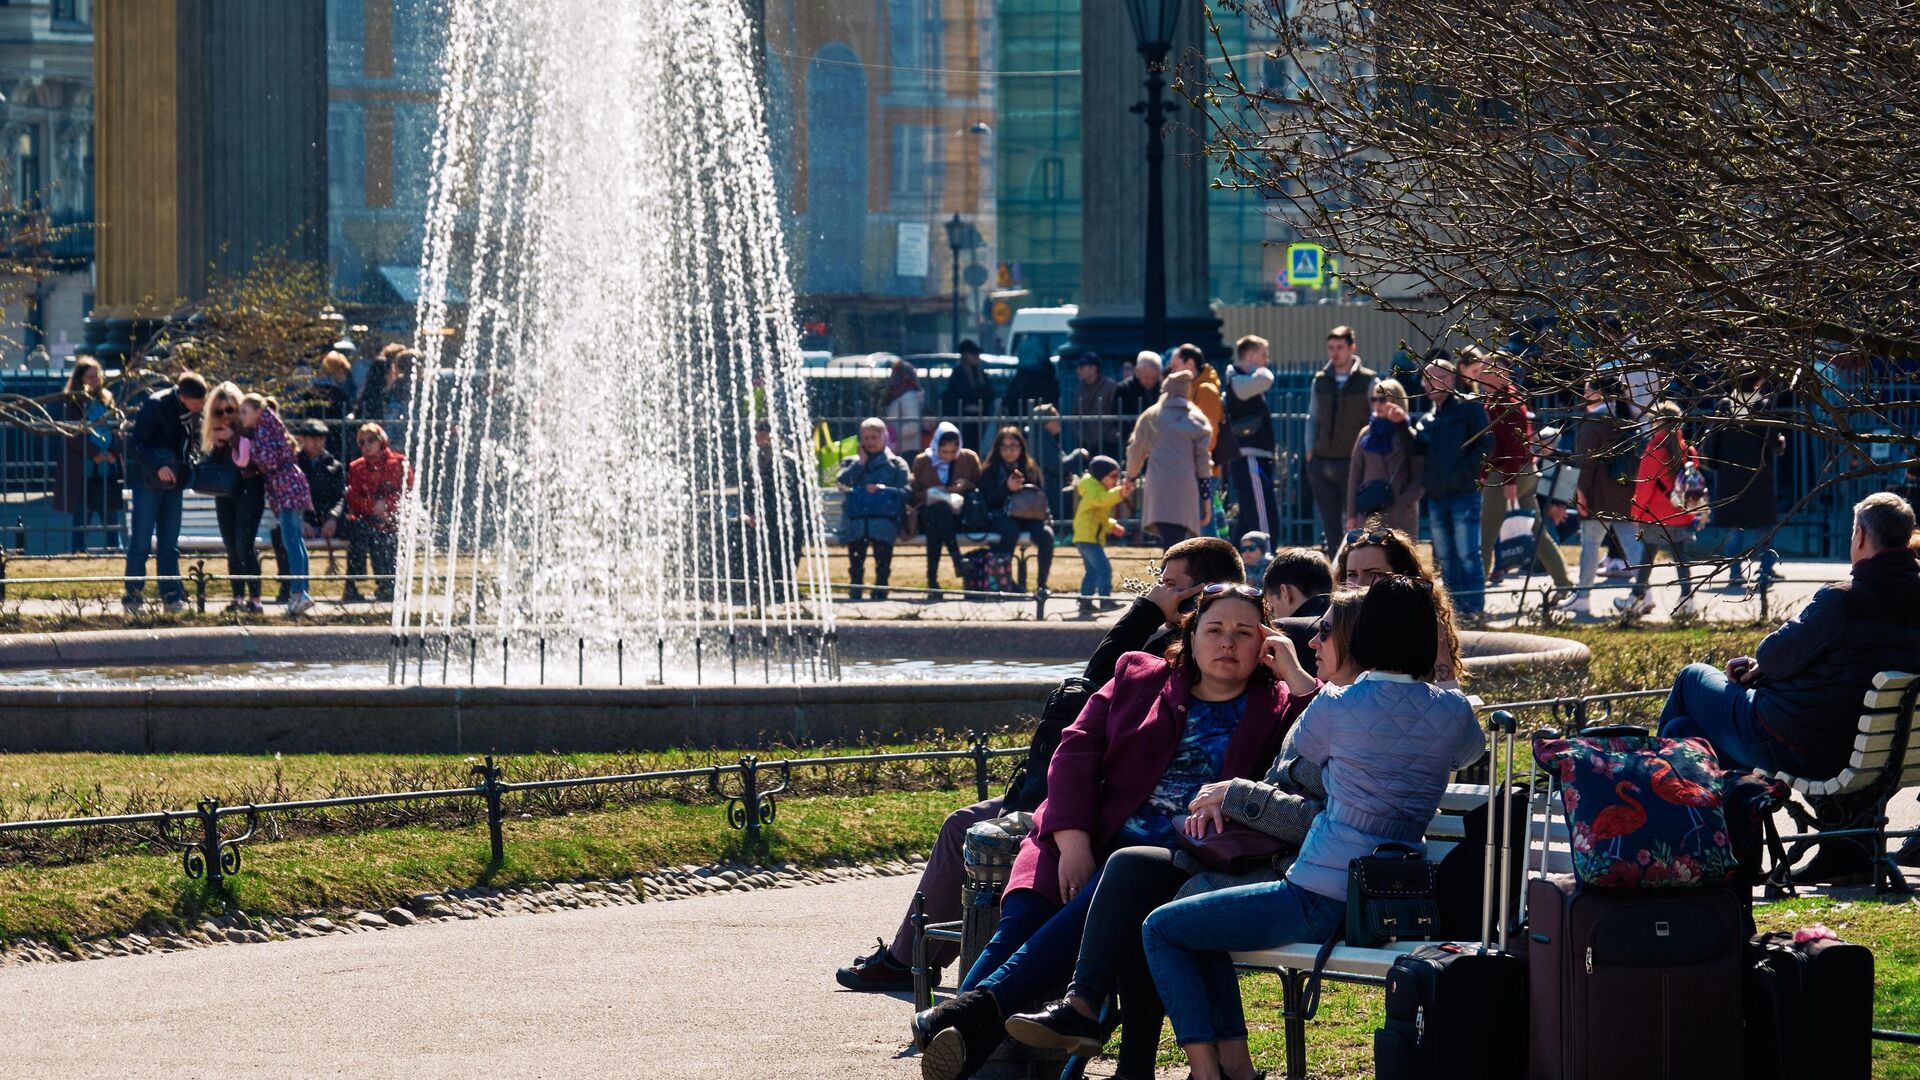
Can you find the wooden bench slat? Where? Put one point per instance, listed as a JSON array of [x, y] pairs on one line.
[[1877, 722], [1892, 680], [1876, 760], [1343, 960]]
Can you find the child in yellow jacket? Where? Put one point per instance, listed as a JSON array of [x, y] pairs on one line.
[[1100, 490]]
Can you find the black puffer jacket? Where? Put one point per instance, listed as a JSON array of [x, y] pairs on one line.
[[1815, 669]]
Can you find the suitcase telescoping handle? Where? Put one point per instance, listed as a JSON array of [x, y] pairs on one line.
[[1508, 727], [1500, 723]]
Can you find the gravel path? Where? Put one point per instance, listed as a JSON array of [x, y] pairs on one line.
[[735, 985]]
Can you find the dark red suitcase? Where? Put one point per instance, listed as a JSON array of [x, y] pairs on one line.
[[1635, 984]]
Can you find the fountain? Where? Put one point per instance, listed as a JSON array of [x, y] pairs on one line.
[[603, 199]]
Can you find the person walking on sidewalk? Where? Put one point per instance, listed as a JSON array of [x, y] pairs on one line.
[[1512, 477], [1453, 442], [1250, 422], [1608, 454], [1338, 411], [1169, 447], [1664, 524]]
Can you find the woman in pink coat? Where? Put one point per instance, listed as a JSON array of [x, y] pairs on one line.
[[1126, 770]]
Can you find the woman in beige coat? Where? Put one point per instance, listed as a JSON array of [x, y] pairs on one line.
[[1169, 446], [1382, 455]]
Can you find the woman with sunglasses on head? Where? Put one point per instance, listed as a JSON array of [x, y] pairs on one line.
[[1217, 707], [222, 441], [1385, 746], [1137, 880], [1382, 482], [1373, 553]]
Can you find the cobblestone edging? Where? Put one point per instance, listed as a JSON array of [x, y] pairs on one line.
[[479, 902]]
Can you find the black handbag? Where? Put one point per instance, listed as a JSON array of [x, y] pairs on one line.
[[216, 478], [1392, 895], [1246, 427], [1373, 497]]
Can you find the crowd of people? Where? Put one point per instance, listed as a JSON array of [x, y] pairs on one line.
[[1453, 439], [1229, 748], [235, 446]]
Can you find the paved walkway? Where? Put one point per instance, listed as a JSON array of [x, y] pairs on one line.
[[739, 985], [1798, 582]]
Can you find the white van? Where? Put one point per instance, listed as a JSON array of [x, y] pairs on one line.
[[1039, 333]]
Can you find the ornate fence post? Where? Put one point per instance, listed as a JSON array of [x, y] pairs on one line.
[[490, 789], [980, 756], [208, 855], [753, 807], [199, 576]]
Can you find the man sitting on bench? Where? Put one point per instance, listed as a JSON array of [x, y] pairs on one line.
[[1185, 569], [1793, 706]]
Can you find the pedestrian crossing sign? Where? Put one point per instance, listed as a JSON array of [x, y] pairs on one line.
[[1306, 265]]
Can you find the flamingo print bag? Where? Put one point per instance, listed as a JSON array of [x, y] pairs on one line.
[[1642, 811]]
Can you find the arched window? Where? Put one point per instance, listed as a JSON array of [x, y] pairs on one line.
[[836, 170]]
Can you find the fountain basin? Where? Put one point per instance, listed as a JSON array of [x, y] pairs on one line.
[[189, 715]]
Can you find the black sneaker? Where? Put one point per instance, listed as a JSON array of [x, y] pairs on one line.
[[876, 971], [1837, 864], [958, 1037], [1057, 1025], [1909, 853]]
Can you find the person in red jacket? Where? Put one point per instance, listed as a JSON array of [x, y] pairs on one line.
[[1664, 524], [375, 481]]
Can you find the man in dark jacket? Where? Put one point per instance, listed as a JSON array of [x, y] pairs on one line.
[[1793, 707], [1149, 625], [1454, 441], [159, 467], [1340, 408], [1251, 424], [1138, 390], [968, 393], [327, 480]]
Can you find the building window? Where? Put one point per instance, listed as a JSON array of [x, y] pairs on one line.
[[74, 14], [918, 165]]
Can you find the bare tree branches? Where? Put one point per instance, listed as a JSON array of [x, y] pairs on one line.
[[1688, 190]]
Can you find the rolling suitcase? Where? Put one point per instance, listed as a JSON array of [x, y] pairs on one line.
[[1809, 1009], [1451, 1007], [1633, 983]]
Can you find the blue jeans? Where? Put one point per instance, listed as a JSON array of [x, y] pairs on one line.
[[1188, 940], [1097, 579], [1455, 522], [1705, 704], [154, 512], [1032, 954], [296, 567]]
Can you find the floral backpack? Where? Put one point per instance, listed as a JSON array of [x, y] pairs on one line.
[[1647, 812]]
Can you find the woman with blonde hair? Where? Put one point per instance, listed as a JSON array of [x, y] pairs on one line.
[[1383, 482], [240, 509]]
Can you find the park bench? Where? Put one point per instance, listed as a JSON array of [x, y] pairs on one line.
[[1292, 963], [1885, 758]]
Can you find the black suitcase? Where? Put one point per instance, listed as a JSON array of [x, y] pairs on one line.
[[1809, 1009], [1451, 1008], [1639, 984]]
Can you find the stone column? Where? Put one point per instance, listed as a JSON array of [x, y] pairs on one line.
[[1113, 166], [210, 138]]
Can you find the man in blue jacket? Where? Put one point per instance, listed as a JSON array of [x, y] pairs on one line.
[[1794, 705], [1453, 441], [159, 466]]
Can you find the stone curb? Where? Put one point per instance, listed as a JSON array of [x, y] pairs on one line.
[[466, 904]]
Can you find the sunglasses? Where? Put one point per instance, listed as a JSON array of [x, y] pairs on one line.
[[1381, 397], [1358, 537], [1223, 588], [1323, 630], [224, 410]]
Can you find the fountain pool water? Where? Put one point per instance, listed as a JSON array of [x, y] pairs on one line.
[[603, 204]]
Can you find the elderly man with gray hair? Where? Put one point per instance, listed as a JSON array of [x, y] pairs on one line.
[[875, 484], [1792, 706]]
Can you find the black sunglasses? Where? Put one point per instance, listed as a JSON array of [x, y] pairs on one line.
[[1323, 629], [1356, 537]]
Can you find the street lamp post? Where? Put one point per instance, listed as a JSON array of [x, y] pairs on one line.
[[1153, 24], [958, 232]]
